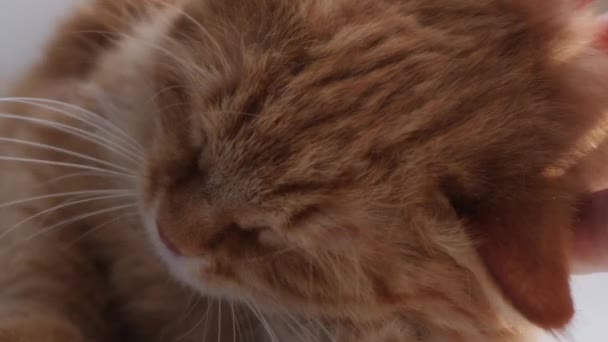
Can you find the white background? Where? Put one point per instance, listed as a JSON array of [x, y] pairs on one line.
[[24, 26]]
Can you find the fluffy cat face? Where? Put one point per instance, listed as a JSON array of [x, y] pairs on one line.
[[360, 160]]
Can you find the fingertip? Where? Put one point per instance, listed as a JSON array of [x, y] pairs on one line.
[[590, 238]]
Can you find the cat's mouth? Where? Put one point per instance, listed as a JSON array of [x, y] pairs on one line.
[[590, 246], [200, 273]]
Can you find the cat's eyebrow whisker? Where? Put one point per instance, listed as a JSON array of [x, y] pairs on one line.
[[61, 206], [79, 218], [191, 66], [80, 133], [119, 33], [101, 121], [66, 152], [160, 92], [218, 48], [62, 164], [63, 194]]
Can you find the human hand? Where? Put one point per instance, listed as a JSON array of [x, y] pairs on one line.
[[590, 245]]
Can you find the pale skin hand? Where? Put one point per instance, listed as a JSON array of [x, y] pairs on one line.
[[590, 247]]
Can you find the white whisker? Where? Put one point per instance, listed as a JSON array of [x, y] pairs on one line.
[[196, 325], [59, 195], [293, 329], [323, 328], [234, 323], [65, 151], [102, 225], [207, 311], [101, 121], [304, 333], [79, 218], [263, 321], [58, 207], [80, 133], [80, 174], [62, 164], [219, 320]]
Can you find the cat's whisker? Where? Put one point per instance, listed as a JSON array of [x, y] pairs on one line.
[[66, 152], [59, 195], [297, 327], [79, 218], [234, 323], [72, 175], [193, 300], [196, 324], [246, 328], [61, 206], [79, 174], [100, 226], [323, 328], [263, 321], [109, 128], [285, 311], [101, 122], [205, 318], [80, 133], [219, 320], [67, 165], [306, 328]]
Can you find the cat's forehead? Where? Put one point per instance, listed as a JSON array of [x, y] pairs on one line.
[[386, 83], [390, 60]]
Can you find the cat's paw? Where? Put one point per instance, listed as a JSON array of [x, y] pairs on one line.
[[37, 329]]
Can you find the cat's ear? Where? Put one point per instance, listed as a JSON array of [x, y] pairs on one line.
[[523, 243]]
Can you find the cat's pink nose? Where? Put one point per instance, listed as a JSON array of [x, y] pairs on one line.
[[167, 242]]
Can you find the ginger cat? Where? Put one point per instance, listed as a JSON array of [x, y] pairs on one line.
[[299, 170]]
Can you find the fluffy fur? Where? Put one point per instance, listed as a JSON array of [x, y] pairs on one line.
[[280, 170]]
